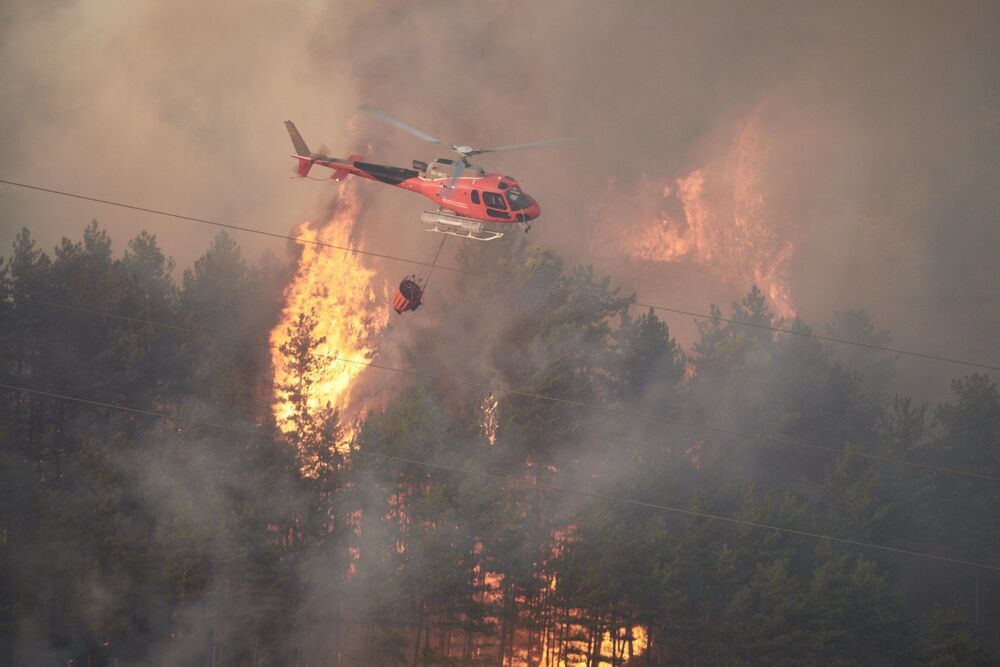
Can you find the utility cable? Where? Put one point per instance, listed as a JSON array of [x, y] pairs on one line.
[[777, 439], [507, 279], [518, 482]]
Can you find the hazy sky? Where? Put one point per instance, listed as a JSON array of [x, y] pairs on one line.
[[881, 123]]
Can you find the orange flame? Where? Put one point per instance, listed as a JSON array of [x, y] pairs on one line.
[[615, 646], [716, 216], [612, 647], [338, 290], [490, 423]]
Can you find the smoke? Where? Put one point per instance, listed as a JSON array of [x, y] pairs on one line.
[[882, 124], [880, 127], [175, 107]]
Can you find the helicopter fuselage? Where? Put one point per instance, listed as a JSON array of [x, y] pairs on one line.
[[481, 196]]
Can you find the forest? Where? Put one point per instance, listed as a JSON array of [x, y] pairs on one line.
[[606, 527]]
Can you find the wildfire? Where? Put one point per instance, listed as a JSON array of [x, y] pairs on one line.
[[332, 287], [612, 647], [716, 216], [490, 423], [564, 639]]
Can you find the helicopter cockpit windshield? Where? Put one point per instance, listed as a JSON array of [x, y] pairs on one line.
[[518, 200]]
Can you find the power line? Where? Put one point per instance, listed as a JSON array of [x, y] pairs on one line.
[[536, 395], [501, 278], [511, 480]]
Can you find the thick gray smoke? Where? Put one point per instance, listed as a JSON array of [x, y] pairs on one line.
[[881, 124]]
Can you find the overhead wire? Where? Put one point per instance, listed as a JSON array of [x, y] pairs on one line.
[[507, 279], [777, 439], [542, 486]]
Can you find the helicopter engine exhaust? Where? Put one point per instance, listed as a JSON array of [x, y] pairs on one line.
[[445, 222]]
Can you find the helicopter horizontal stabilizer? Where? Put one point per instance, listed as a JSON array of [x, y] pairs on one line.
[[342, 173]]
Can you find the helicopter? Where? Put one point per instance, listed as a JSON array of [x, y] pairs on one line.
[[470, 200]]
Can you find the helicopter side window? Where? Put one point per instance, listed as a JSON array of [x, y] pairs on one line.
[[494, 200], [518, 200], [475, 196]]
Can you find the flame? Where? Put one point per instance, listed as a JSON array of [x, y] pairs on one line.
[[716, 216], [490, 423], [338, 290], [612, 647]]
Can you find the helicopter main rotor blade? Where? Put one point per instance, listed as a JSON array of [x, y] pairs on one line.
[[534, 144], [456, 172], [406, 127]]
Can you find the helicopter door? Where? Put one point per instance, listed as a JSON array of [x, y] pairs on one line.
[[495, 205], [494, 200]]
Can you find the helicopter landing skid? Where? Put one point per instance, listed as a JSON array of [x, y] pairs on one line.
[[456, 225]]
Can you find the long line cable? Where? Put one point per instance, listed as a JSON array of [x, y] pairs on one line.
[[427, 277], [777, 439], [519, 482], [507, 279]]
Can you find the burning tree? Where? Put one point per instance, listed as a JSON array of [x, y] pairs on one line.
[[334, 293], [313, 429], [213, 545]]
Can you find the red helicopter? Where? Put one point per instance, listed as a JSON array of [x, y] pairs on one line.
[[469, 198]]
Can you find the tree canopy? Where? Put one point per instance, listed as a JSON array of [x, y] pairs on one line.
[[128, 539]]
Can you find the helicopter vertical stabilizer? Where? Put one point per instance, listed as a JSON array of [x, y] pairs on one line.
[[297, 140], [303, 155]]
